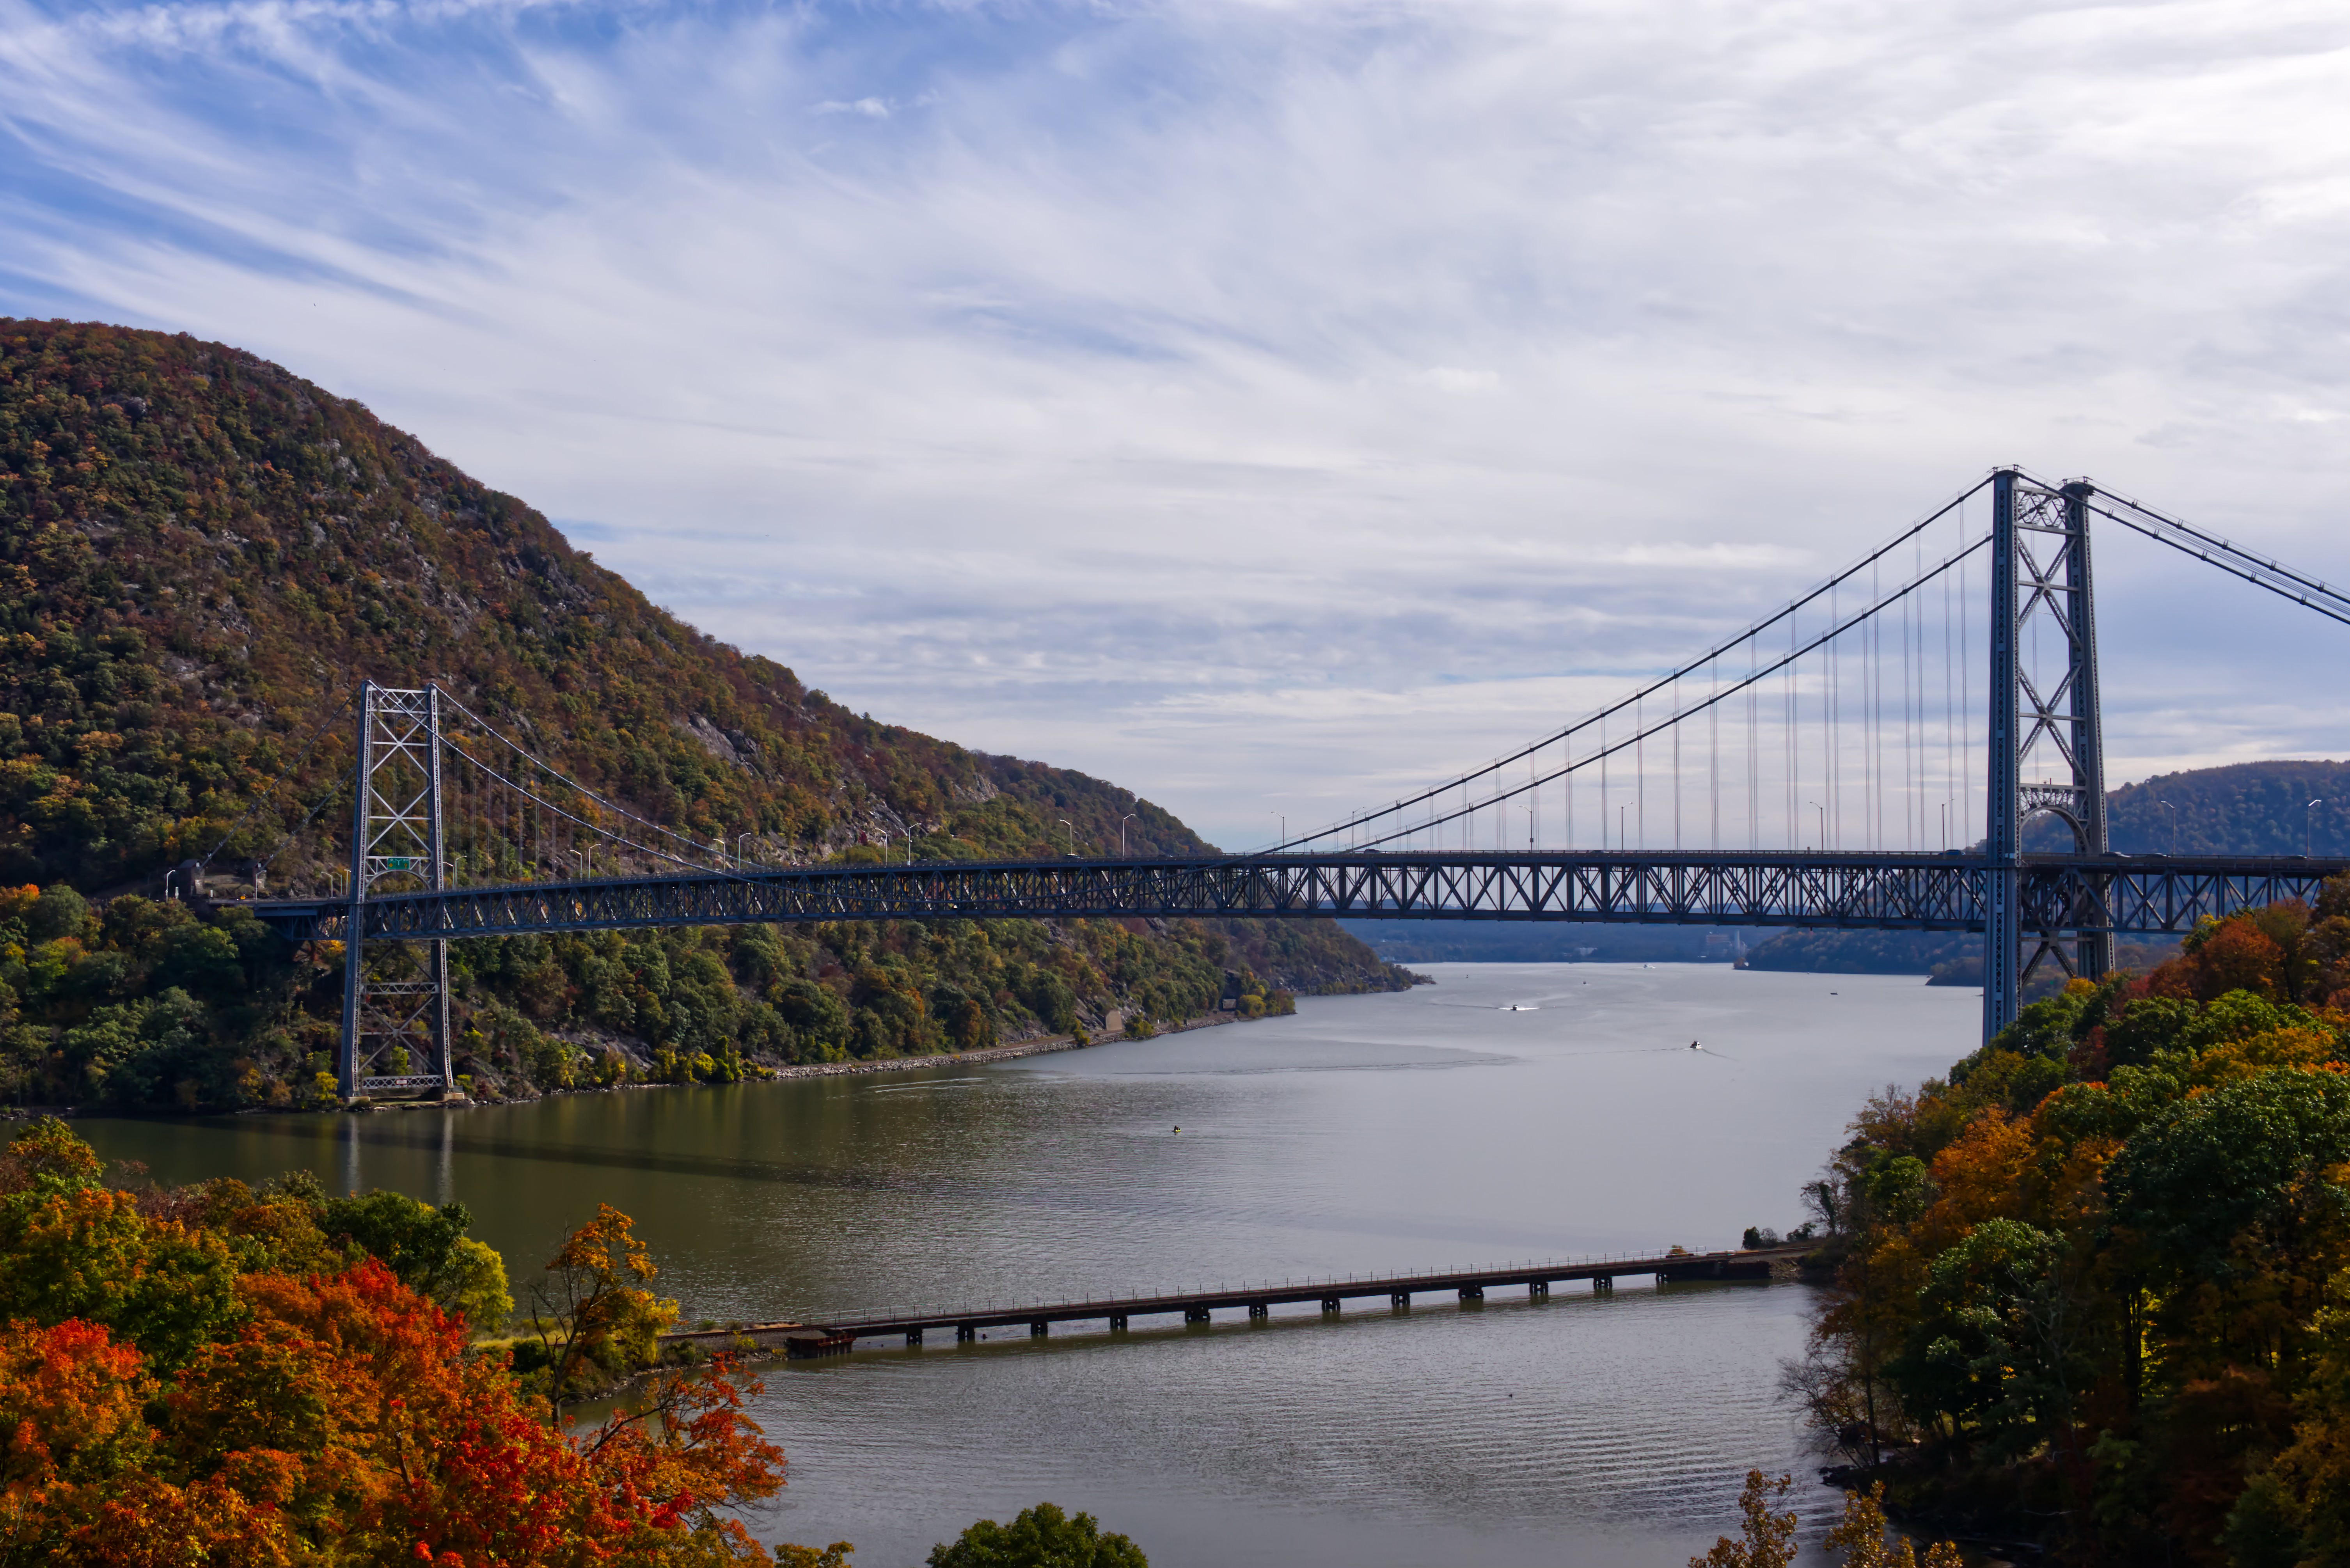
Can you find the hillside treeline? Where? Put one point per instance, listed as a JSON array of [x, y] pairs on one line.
[[147, 1003], [2241, 808], [2093, 1287]]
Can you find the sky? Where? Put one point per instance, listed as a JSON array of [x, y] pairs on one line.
[[1267, 406]]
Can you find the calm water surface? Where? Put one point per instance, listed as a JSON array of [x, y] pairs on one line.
[[1366, 1133]]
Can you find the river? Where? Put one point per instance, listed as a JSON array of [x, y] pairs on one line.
[[1375, 1133]]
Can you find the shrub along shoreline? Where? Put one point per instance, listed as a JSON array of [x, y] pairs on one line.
[[807, 1070]]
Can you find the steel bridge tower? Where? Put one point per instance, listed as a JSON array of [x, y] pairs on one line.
[[396, 1007], [2045, 721]]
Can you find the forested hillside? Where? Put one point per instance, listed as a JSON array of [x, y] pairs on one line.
[[2243, 808], [2090, 1287], [204, 554]]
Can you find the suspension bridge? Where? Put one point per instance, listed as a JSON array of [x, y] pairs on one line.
[[1870, 756]]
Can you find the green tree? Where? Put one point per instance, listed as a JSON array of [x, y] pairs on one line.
[[1039, 1537], [2245, 1169], [1981, 1354]]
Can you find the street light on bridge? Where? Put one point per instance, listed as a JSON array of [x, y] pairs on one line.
[[2308, 827], [1815, 806]]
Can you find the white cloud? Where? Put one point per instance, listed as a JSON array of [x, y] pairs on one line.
[[1209, 396]]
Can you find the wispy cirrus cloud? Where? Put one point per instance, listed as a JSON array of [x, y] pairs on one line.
[[1096, 382]]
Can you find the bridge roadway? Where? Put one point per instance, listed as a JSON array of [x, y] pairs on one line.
[[2121, 893], [837, 1338]]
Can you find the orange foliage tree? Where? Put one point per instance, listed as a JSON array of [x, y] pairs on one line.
[[161, 1404]]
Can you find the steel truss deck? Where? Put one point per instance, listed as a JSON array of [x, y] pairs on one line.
[[2074, 893]]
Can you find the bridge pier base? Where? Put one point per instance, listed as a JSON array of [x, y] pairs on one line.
[[965, 1333], [1603, 1286], [1537, 1290], [1472, 1293], [1118, 1323], [913, 1336], [1195, 1315], [1039, 1329], [1330, 1303], [1401, 1301], [1259, 1310]]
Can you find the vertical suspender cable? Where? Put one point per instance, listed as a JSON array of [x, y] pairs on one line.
[[1567, 755], [1753, 761], [1949, 710], [1639, 773], [1831, 703], [1914, 713], [1791, 765], [1603, 780], [1714, 750], [1877, 785], [1966, 805], [1872, 837], [1909, 772], [1677, 764]]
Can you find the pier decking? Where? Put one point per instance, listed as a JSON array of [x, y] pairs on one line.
[[1258, 1300]]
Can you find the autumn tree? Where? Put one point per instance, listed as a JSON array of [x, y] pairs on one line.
[[207, 1374], [1863, 1536], [1764, 1539], [595, 1320]]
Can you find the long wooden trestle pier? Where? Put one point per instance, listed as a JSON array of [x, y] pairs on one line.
[[803, 1340]]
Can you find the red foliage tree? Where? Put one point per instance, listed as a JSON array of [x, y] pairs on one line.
[[336, 1416]]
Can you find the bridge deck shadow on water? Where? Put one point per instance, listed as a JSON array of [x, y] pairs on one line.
[[803, 1341]]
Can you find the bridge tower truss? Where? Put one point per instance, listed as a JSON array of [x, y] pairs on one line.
[[395, 1032], [2046, 737]]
